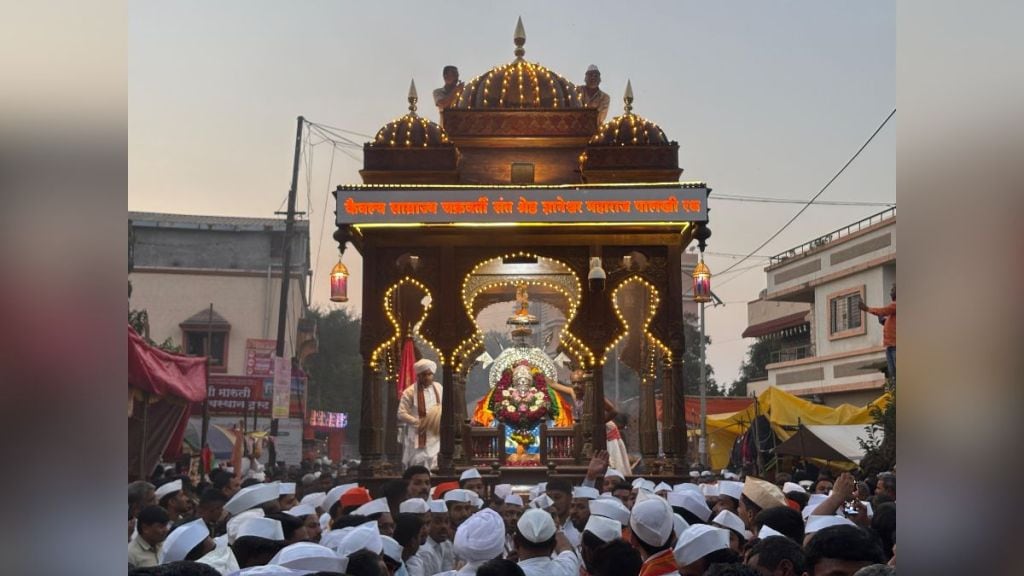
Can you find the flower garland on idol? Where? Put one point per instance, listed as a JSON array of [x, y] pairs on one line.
[[523, 408]]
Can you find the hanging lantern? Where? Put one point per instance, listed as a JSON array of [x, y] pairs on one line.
[[701, 282], [339, 282]]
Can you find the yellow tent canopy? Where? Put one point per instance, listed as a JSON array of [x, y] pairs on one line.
[[782, 409]]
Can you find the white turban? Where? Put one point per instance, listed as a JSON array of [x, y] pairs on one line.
[[425, 365], [481, 537]]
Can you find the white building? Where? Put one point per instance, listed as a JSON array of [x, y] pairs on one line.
[[180, 264], [824, 348]]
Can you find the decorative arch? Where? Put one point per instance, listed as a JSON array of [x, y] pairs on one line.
[[647, 314], [566, 283], [393, 313]]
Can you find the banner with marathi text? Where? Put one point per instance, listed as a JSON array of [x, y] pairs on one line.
[[281, 388]]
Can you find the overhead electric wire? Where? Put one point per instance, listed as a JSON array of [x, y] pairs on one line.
[[323, 219], [335, 128], [770, 200], [813, 198]]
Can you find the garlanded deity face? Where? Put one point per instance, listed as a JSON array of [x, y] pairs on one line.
[[521, 377]]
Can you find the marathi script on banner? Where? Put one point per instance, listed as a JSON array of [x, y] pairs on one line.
[[522, 205], [282, 387], [259, 357]]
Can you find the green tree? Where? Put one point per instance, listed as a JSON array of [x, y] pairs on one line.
[[336, 369], [691, 360], [753, 367], [139, 321], [880, 453]]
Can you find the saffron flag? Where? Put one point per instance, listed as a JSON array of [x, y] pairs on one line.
[[406, 374]]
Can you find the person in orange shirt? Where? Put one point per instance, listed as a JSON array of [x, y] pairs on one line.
[[889, 332]]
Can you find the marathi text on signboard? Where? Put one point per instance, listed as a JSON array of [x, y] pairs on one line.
[[246, 395], [282, 387], [259, 357], [511, 205], [324, 419]]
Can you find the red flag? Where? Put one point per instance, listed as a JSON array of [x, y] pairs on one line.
[[206, 457], [406, 374]]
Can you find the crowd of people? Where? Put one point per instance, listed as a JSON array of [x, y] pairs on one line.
[[606, 525]]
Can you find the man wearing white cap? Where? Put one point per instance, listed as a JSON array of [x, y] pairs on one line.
[[420, 410], [471, 480], [651, 524], [436, 555], [460, 506], [286, 498], [729, 493], [536, 538], [597, 532], [511, 511], [612, 478], [700, 546], [172, 497], [737, 530], [579, 509], [189, 541], [257, 495], [306, 556], [258, 540], [591, 96]]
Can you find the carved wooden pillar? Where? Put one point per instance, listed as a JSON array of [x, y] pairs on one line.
[[461, 452], [369, 424], [447, 295], [370, 446], [586, 449], [674, 390], [648, 423], [392, 448], [599, 441]]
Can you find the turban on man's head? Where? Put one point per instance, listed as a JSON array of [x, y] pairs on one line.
[[424, 365]]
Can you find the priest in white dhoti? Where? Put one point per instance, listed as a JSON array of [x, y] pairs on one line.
[[420, 411]]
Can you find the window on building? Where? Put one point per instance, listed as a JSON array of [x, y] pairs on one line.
[[845, 319], [195, 345], [194, 332]]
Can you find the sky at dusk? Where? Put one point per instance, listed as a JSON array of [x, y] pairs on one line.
[[764, 99]]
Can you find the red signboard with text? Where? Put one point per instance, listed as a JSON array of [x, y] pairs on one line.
[[259, 357], [240, 395]]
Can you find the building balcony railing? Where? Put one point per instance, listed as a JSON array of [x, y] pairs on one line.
[[832, 236], [788, 354]]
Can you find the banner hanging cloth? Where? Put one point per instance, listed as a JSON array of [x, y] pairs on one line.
[[406, 374]]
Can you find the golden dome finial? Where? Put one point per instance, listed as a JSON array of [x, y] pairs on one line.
[[413, 97], [519, 38], [628, 97]]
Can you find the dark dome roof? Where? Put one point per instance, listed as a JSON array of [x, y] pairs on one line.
[[411, 130], [519, 84], [629, 129]]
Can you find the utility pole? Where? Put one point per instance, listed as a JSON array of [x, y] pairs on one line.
[[208, 347], [703, 442], [289, 225]]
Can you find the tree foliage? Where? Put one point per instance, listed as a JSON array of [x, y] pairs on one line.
[[139, 321], [336, 370], [880, 453], [691, 360], [753, 367]]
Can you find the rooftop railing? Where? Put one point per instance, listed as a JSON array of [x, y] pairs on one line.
[[832, 236]]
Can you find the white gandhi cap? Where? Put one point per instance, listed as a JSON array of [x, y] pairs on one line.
[[698, 541]]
